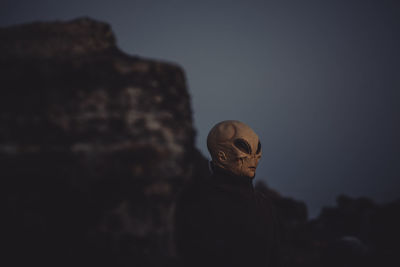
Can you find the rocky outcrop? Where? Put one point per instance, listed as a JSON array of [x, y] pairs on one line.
[[356, 232], [94, 147]]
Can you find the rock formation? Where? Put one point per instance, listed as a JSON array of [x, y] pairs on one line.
[[94, 145]]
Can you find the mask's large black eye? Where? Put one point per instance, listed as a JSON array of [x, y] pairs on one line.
[[258, 147], [242, 145]]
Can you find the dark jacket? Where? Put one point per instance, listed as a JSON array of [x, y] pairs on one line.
[[225, 222]]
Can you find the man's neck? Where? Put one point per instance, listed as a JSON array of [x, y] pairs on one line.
[[226, 177]]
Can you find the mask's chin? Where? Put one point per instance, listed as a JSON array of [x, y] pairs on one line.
[[248, 170], [240, 170], [249, 173]]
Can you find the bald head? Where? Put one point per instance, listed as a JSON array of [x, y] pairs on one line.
[[235, 147]]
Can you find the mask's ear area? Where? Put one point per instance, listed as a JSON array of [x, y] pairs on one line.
[[258, 148], [221, 156]]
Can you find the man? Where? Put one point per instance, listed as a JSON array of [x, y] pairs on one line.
[[223, 221]]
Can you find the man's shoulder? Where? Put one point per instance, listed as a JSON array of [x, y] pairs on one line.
[[266, 203]]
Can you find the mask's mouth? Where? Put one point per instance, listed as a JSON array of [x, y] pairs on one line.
[[252, 168]]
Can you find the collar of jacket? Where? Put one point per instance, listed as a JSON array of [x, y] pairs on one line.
[[224, 177]]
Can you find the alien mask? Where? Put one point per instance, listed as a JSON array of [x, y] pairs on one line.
[[234, 147]]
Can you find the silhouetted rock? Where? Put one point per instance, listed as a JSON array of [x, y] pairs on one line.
[[94, 147], [357, 232]]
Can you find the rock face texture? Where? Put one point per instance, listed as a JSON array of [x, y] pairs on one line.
[[94, 147]]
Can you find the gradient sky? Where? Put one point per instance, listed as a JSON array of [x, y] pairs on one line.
[[319, 81]]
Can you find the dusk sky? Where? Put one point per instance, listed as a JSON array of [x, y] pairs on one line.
[[319, 81]]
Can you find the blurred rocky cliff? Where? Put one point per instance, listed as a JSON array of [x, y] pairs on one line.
[[95, 144], [357, 232]]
